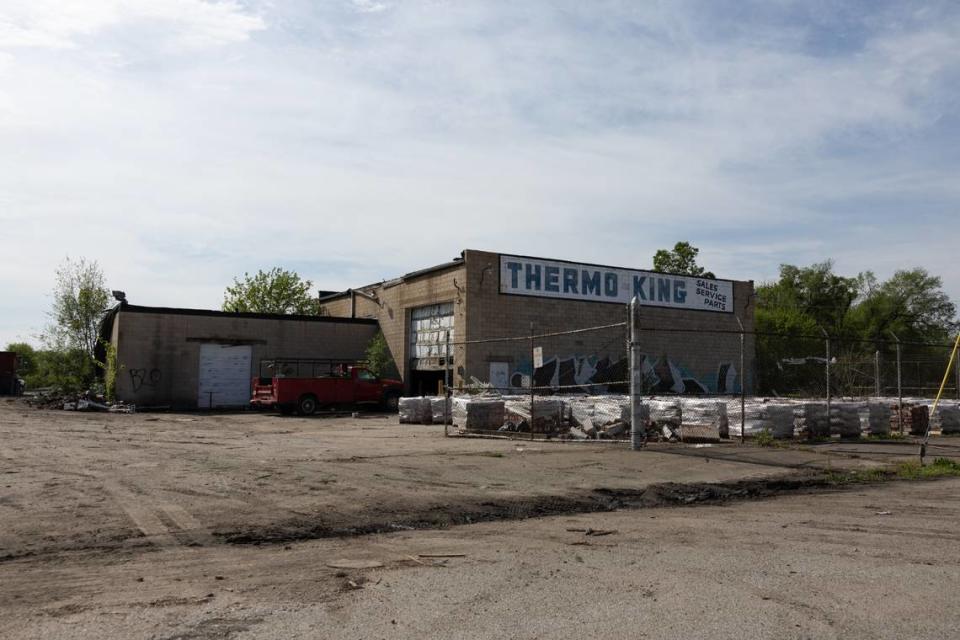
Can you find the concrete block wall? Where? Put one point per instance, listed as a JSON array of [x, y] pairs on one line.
[[491, 314], [158, 352], [395, 299]]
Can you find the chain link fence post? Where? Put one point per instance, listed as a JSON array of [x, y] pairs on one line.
[[448, 398], [533, 370], [826, 337], [743, 387], [899, 385], [638, 432], [876, 372]]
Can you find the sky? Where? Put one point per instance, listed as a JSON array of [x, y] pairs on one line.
[[181, 143]]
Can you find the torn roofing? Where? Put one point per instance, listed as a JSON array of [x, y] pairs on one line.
[[456, 262]]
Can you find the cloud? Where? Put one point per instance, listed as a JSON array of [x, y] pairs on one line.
[[182, 143], [68, 25]]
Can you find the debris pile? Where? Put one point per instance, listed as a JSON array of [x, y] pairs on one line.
[[87, 401], [548, 414], [665, 418], [598, 416]]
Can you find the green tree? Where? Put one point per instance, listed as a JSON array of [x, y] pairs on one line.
[[379, 359], [911, 304], [814, 293], [273, 291], [682, 260], [80, 299], [859, 313], [26, 358]]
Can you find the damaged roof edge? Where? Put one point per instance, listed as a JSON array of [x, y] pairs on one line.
[[456, 262], [130, 308]]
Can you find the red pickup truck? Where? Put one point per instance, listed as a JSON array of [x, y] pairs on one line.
[[306, 391]]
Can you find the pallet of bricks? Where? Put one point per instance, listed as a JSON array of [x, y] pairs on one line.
[[913, 419], [423, 410]]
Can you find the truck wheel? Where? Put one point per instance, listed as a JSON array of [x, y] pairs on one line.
[[307, 406], [391, 402]]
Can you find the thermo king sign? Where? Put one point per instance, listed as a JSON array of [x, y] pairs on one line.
[[571, 281]]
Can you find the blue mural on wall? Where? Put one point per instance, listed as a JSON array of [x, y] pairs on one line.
[[661, 375]]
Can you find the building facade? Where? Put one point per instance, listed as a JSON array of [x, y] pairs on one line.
[[487, 302], [190, 358]]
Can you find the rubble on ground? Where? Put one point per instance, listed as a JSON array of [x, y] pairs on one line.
[[86, 401]]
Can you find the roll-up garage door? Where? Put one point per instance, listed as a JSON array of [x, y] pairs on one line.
[[428, 330], [224, 376]]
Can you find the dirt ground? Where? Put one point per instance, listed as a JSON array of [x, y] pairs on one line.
[[224, 526]]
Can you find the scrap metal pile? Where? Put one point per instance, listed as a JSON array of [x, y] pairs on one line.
[[87, 401]]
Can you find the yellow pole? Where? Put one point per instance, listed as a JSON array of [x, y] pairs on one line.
[[936, 402]]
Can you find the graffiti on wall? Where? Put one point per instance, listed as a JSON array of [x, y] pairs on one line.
[[660, 375], [140, 378]]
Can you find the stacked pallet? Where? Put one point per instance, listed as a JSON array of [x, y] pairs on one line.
[[415, 410], [439, 409], [845, 419], [479, 414], [878, 421], [915, 417], [812, 420], [704, 419], [949, 418], [777, 419]]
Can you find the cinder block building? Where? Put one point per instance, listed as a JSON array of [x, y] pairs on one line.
[[192, 358], [487, 302]]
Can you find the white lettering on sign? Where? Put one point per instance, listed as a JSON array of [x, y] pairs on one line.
[[571, 281]]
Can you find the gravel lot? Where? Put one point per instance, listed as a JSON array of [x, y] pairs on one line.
[[223, 526]]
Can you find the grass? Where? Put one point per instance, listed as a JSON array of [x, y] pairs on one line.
[[765, 438], [911, 470], [889, 436], [939, 468]]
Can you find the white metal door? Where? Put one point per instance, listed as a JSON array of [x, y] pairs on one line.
[[224, 376]]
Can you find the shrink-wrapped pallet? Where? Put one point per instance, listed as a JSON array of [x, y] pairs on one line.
[[415, 410], [704, 419], [437, 406], [845, 419], [777, 419], [949, 418], [878, 418], [478, 414]]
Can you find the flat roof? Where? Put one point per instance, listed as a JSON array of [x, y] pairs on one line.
[[174, 311]]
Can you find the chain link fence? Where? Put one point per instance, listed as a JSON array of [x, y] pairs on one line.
[[691, 385]]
